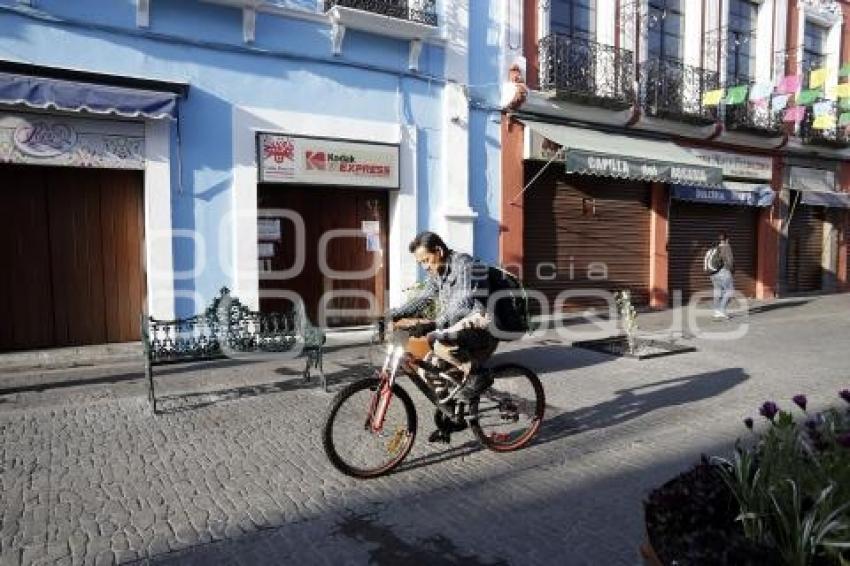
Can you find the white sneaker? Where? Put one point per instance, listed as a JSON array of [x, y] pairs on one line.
[[720, 316]]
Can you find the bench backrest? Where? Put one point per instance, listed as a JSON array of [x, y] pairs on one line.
[[200, 337]]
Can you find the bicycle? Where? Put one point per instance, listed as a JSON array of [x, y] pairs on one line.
[[371, 425]]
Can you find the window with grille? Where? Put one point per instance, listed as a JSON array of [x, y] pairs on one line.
[[665, 25], [574, 18], [814, 43], [741, 40]]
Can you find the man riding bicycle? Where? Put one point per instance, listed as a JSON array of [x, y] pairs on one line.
[[459, 333]]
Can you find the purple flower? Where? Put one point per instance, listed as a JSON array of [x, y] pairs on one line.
[[749, 423], [800, 401], [845, 394], [768, 410], [844, 439]]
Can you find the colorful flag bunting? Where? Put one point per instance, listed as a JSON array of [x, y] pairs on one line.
[[844, 103], [823, 122], [844, 119], [736, 94], [806, 97], [794, 114], [817, 78], [823, 108], [789, 84], [779, 102], [844, 71], [842, 90], [760, 91], [712, 97]]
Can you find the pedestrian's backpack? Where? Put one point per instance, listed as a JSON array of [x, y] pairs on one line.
[[713, 261], [507, 302]]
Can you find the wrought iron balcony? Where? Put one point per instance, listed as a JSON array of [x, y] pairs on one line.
[[835, 136], [671, 89], [585, 71], [752, 118], [419, 11]]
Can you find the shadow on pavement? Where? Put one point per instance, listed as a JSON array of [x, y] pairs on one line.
[[634, 402], [386, 548], [776, 306], [179, 402]]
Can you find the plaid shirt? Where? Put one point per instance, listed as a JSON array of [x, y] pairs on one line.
[[453, 292]]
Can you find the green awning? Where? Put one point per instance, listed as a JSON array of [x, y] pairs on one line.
[[591, 152]]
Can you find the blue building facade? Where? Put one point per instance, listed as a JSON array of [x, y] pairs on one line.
[[388, 115]]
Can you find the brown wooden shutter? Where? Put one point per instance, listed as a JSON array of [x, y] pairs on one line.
[[694, 228], [572, 222]]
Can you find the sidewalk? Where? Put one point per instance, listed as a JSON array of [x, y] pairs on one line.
[[237, 476]]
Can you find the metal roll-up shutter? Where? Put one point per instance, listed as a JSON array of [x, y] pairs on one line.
[[805, 248], [586, 233], [694, 228]]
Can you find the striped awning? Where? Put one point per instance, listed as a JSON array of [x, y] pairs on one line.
[[74, 96], [592, 152]]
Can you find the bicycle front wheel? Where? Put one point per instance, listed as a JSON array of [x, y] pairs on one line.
[[508, 415], [356, 442]]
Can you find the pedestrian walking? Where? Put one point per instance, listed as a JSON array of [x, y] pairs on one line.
[[720, 264]]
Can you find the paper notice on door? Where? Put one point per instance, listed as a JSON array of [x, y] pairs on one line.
[[265, 249], [373, 243], [370, 227], [268, 229]]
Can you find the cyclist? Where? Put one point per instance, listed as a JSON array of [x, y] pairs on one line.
[[459, 333]]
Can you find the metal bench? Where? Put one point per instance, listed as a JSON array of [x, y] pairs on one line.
[[227, 329]]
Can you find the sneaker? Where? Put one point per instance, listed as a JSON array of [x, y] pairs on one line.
[[720, 316], [440, 436], [476, 384]]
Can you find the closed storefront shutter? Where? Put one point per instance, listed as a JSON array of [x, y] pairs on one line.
[[586, 233], [694, 228], [805, 247]]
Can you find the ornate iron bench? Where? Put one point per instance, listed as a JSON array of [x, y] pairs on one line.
[[229, 329]]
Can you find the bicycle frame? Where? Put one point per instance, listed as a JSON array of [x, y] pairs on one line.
[[397, 357]]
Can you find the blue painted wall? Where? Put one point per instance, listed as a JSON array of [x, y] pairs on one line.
[[290, 66], [484, 129]]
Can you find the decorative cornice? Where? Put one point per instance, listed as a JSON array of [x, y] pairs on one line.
[[825, 10]]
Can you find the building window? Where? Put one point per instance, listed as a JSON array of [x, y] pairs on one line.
[[574, 18], [740, 53], [814, 43], [665, 29]]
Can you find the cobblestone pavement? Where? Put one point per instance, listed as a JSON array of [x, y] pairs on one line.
[[89, 476]]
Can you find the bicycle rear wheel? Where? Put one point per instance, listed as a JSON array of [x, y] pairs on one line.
[[508, 415], [352, 442]]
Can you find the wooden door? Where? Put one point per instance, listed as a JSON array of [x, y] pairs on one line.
[[322, 210], [72, 240]]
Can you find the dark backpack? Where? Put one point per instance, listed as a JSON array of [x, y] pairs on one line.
[[713, 261], [506, 301]]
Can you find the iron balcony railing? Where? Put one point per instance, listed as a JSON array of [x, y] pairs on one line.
[[752, 117], [835, 135], [419, 11], [671, 89], [584, 70]]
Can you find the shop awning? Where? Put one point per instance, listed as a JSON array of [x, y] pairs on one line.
[[591, 152], [74, 96], [825, 198], [732, 192]]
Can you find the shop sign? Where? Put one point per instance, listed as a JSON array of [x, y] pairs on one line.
[[52, 140], [320, 161], [736, 164], [810, 179], [582, 162]]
